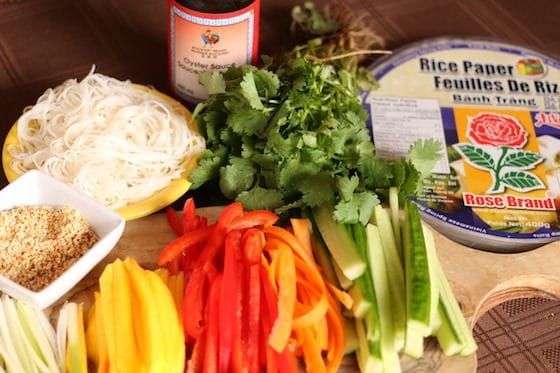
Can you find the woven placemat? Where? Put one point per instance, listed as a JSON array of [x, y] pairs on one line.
[[519, 335]]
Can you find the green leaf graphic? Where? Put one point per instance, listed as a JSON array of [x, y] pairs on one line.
[[524, 160], [522, 181], [476, 156]]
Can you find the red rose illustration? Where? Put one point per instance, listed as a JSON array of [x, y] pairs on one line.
[[496, 130]]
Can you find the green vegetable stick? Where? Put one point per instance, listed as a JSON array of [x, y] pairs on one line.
[[419, 283]]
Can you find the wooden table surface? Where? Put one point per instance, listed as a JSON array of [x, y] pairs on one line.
[[480, 281], [44, 42]]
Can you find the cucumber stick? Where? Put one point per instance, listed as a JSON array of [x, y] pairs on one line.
[[368, 354], [395, 273], [435, 320], [379, 273], [453, 334], [323, 257], [339, 243], [365, 284], [395, 215], [419, 283]]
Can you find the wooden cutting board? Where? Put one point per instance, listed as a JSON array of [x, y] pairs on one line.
[[479, 279]]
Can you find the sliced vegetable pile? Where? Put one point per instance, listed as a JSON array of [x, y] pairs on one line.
[[400, 292], [29, 342], [133, 325], [255, 299]]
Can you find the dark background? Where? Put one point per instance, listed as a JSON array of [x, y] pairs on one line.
[[44, 42]]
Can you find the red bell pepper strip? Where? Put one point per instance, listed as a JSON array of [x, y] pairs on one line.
[[174, 221], [195, 361], [228, 299], [175, 247], [238, 358], [190, 219], [253, 243], [193, 301], [256, 218], [212, 327]]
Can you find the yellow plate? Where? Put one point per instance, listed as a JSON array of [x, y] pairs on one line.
[[160, 199]]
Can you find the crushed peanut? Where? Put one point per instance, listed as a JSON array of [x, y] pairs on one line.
[[39, 243]]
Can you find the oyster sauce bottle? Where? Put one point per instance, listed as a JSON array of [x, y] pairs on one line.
[[208, 35]]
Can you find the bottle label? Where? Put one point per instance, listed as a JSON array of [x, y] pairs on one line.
[[208, 41]]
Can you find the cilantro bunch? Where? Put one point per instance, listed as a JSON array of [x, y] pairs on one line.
[[290, 137], [292, 133]]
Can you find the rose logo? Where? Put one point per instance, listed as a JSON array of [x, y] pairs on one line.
[[496, 130], [497, 147]]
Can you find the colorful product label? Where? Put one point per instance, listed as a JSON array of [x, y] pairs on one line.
[[208, 42], [496, 110]]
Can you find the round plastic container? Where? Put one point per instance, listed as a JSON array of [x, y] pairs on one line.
[[495, 107]]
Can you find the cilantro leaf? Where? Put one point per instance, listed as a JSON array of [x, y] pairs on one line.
[[356, 210], [424, 154], [250, 92], [209, 165], [247, 120], [347, 186], [317, 190], [261, 198], [213, 81], [238, 176]]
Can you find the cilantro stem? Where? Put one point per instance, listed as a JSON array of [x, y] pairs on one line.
[[348, 54]]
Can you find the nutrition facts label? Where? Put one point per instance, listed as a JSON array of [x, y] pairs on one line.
[[397, 122]]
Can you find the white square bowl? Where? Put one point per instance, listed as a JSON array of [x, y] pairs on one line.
[[35, 188]]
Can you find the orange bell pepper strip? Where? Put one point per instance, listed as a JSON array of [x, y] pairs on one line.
[[311, 351], [287, 292], [302, 231], [297, 247], [335, 351], [284, 361]]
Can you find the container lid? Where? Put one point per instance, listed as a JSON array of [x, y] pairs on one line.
[[495, 107]]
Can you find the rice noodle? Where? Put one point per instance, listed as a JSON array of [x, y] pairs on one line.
[[113, 141]]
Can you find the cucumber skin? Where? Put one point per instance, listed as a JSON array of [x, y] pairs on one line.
[[340, 244], [418, 282]]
